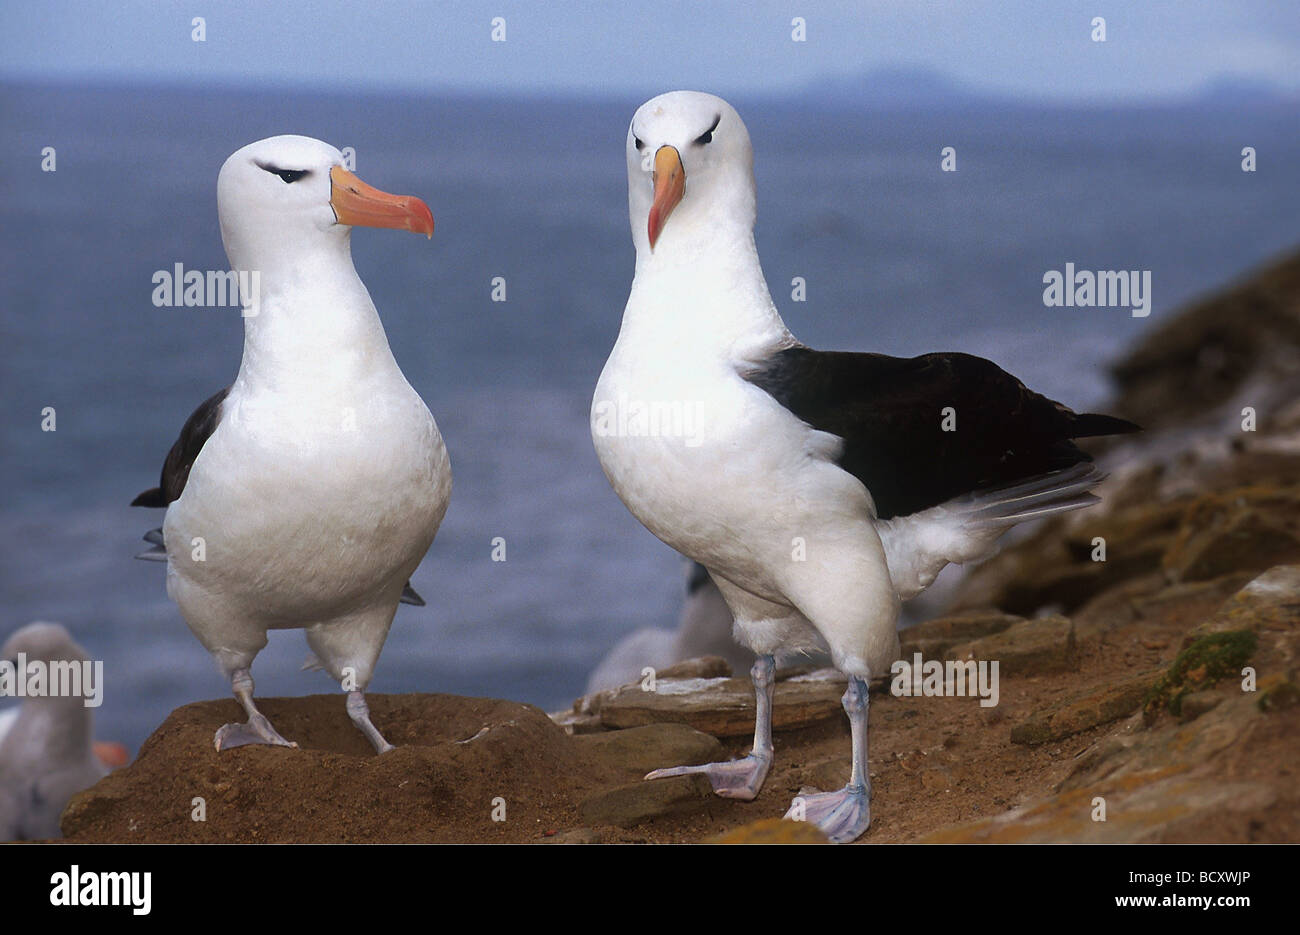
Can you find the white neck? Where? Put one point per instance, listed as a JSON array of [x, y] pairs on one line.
[[315, 324], [703, 288]]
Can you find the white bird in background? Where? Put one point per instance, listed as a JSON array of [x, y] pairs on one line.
[[306, 493], [47, 749], [704, 629], [819, 489]]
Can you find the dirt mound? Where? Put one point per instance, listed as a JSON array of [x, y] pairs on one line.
[[454, 757]]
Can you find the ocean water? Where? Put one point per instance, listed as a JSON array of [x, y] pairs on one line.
[[898, 257]]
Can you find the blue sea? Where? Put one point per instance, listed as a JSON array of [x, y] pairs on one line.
[[898, 257]]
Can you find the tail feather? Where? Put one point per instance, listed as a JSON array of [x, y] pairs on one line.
[[1047, 508], [410, 596], [153, 497], [1041, 496], [158, 552], [1092, 424], [967, 528], [1039, 482]]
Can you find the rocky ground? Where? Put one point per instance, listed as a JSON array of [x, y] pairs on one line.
[[1157, 688]]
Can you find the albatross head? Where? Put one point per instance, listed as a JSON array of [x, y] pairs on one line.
[[688, 160], [290, 192], [43, 643]]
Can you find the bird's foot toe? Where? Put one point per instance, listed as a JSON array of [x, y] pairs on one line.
[[257, 730], [735, 779], [843, 816]]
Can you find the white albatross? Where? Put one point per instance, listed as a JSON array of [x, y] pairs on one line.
[[704, 629], [305, 494], [47, 748], [819, 489]]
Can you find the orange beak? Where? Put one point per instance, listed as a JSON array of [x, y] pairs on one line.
[[112, 755], [360, 205], [670, 184]]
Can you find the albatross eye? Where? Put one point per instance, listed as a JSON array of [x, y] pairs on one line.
[[288, 176], [639, 144], [707, 135]]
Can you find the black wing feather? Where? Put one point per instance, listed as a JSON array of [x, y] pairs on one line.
[[411, 596], [890, 412], [176, 469]]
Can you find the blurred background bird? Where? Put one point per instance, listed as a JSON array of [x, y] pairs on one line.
[[47, 748]]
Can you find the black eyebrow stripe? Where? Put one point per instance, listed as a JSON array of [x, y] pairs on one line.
[[286, 175], [716, 120]]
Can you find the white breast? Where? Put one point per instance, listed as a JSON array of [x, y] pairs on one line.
[[734, 490], [307, 503]]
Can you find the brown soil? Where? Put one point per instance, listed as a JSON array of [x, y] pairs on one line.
[[934, 761]]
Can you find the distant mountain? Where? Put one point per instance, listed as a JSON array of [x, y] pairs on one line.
[[895, 87], [1242, 91], [915, 88]]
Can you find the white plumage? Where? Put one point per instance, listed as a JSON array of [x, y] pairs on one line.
[[47, 750], [325, 478], [816, 488]]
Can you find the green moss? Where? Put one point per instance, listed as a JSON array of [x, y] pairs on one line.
[[1282, 695], [1200, 665]]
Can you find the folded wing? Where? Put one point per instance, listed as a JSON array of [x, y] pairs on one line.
[[953, 449], [197, 430]]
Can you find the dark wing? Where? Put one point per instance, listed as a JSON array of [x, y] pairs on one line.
[[176, 469], [890, 412]]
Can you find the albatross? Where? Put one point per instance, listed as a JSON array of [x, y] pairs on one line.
[[47, 748], [820, 489], [306, 493]]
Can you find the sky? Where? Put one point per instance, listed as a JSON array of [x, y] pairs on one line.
[[1023, 48]]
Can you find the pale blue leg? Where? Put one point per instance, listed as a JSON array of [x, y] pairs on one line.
[[741, 779], [359, 711], [257, 729], [844, 815]]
